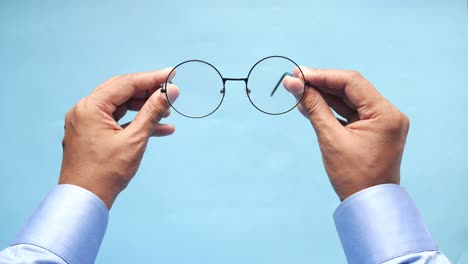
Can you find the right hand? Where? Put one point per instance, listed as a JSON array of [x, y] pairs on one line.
[[101, 155], [367, 149]]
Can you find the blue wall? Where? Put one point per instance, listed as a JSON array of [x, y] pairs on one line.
[[239, 186]]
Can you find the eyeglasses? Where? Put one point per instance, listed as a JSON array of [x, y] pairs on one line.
[[202, 87]]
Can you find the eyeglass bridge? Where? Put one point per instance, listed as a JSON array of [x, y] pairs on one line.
[[236, 80]]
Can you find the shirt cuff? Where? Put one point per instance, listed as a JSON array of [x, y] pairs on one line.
[[70, 222], [381, 223]]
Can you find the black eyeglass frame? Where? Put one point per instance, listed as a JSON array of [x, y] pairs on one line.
[[246, 80]]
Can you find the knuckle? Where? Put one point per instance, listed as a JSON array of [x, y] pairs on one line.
[[63, 143], [81, 110], [127, 78], [80, 107], [355, 75], [113, 78], [406, 122], [121, 80], [67, 118], [397, 122], [68, 123], [154, 112], [67, 115], [312, 104]]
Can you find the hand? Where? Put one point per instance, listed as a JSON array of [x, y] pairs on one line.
[[364, 151], [99, 154]]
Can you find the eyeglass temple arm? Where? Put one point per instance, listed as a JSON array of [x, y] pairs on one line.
[[279, 82], [281, 79]]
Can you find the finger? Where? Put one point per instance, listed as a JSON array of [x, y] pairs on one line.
[[119, 112], [360, 92], [302, 111], [336, 92], [294, 85], [340, 107], [162, 130], [120, 89], [338, 104], [342, 122], [135, 104], [167, 114], [125, 125], [154, 109], [314, 107], [132, 105], [348, 103], [147, 94]]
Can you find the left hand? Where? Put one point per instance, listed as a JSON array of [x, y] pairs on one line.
[[99, 154], [367, 149]]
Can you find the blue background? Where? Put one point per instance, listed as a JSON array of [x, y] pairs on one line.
[[239, 186]]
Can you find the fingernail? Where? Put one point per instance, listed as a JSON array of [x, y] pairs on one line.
[[173, 96], [308, 69], [172, 93], [295, 87], [297, 73]]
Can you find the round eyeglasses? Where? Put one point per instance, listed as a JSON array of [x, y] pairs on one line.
[[202, 87]]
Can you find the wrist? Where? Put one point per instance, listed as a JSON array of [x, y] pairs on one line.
[[106, 192], [346, 191]]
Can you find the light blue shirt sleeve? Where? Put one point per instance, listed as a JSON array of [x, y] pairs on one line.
[[67, 227], [381, 224], [377, 225]]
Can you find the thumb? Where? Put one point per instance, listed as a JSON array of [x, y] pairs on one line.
[[313, 106], [153, 110]]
